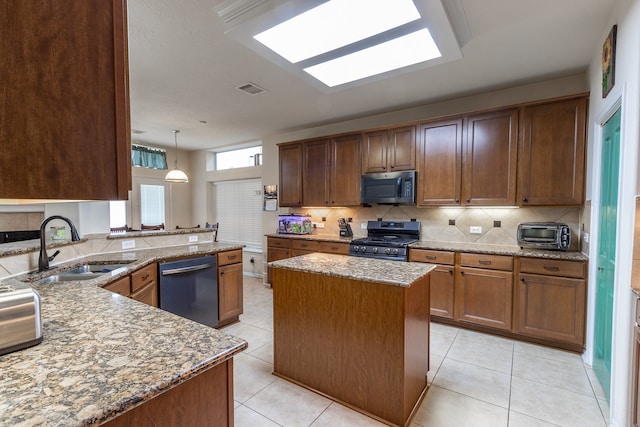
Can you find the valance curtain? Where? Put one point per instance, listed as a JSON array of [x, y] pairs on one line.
[[147, 157]]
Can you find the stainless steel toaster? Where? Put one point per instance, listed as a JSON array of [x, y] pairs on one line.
[[20, 321]]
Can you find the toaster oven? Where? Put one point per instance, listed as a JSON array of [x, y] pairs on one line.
[[20, 325], [544, 235]]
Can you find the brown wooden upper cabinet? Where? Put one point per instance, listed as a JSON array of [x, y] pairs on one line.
[[389, 150], [65, 113], [468, 160], [331, 171], [552, 153], [290, 157]]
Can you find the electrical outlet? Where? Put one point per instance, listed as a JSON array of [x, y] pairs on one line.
[[585, 237], [320, 225], [252, 260], [193, 248], [363, 225], [193, 239], [128, 244], [475, 230]]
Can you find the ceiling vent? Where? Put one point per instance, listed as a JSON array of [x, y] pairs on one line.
[[251, 88]]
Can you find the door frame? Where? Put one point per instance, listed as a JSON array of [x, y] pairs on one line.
[[623, 304]]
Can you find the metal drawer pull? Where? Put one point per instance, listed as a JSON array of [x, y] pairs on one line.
[[431, 257], [484, 261], [231, 256], [335, 248], [146, 276], [551, 268]]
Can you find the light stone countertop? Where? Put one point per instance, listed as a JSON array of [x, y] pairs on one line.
[[102, 354], [482, 248], [367, 269]]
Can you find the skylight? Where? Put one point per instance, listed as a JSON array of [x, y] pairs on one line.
[[335, 24], [397, 53]]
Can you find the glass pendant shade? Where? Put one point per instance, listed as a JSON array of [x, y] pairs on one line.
[[176, 175]]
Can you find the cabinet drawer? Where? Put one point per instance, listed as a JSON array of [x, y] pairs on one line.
[[334, 248], [276, 242], [435, 257], [553, 267], [143, 276], [492, 262], [229, 257], [121, 286], [305, 245]]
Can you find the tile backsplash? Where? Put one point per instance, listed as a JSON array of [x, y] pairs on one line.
[[452, 224], [20, 221]]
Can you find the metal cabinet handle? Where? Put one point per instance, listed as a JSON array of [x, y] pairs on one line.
[[484, 261], [551, 268], [231, 256], [524, 199], [462, 272], [431, 257], [222, 273], [468, 200], [457, 200], [146, 276]]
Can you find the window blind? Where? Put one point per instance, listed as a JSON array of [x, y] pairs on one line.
[[151, 204], [238, 210]]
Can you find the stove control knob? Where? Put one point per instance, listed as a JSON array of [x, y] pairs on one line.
[[374, 250], [395, 251], [355, 248], [387, 251]]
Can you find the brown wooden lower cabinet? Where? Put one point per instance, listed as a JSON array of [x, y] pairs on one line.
[[484, 297], [141, 285], [361, 343], [286, 247], [230, 282], [442, 280], [205, 400]]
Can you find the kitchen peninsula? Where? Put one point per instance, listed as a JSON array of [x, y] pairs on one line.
[[109, 359], [355, 330]]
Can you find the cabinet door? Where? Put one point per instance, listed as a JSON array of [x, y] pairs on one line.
[[345, 171], [484, 297], [334, 248], [551, 307], [401, 148], [442, 291], [64, 113], [229, 291], [290, 157], [147, 294], [440, 163], [490, 157], [121, 286], [374, 152], [315, 182], [552, 154]]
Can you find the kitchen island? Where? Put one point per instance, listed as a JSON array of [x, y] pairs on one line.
[[355, 330], [109, 359]]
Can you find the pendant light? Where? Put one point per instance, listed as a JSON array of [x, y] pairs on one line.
[[176, 175]]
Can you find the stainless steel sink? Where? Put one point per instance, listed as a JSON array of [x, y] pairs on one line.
[[84, 272]]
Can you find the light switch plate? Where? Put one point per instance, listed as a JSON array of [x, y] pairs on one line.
[[193, 239], [320, 225], [475, 230], [363, 225], [128, 244]]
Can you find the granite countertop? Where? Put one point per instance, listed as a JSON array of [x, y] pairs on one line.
[[102, 354], [456, 247], [500, 250], [358, 268], [320, 237]]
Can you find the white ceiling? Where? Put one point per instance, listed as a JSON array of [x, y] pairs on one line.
[[184, 69]]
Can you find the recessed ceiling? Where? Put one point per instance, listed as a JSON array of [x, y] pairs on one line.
[[186, 64]]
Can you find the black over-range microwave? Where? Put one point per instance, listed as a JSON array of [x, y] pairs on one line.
[[388, 188]]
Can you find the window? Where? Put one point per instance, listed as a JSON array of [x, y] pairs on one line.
[[151, 204], [239, 158], [238, 210], [117, 213], [148, 157]]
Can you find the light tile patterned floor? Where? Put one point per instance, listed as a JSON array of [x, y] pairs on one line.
[[476, 380]]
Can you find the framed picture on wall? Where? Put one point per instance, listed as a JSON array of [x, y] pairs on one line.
[[609, 62]]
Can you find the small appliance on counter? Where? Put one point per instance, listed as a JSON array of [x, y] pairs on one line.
[[294, 224], [20, 321], [544, 235], [345, 228]]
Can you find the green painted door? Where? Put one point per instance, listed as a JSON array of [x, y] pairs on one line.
[[610, 163]]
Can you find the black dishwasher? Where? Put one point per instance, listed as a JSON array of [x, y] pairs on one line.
[[189, 288]]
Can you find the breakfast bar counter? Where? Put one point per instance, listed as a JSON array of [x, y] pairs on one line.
[[355, 330]]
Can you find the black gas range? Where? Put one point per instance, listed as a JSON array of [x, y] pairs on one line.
[[386, 240]]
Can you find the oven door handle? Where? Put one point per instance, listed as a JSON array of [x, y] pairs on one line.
[[188, 269]]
